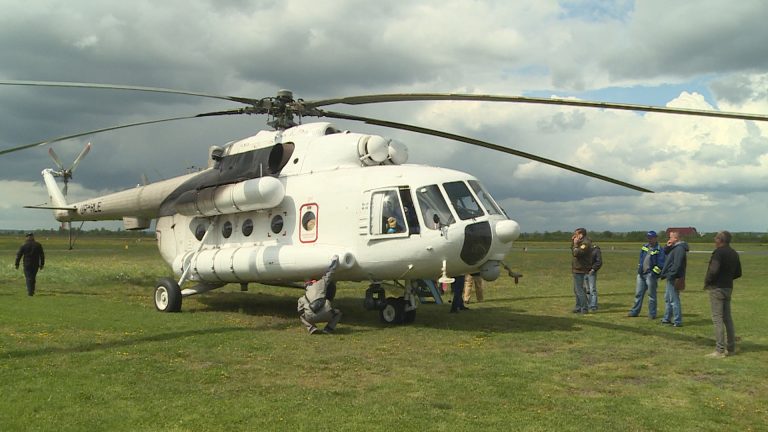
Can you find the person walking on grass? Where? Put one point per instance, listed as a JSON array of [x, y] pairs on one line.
[[724, 267], [34, 260]]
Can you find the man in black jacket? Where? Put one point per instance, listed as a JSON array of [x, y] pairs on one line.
[[724, 267], [34, 260]]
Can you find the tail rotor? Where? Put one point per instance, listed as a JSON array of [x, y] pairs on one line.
[[66, 173]]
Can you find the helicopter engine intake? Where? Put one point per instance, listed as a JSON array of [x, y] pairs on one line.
[[254, 194]]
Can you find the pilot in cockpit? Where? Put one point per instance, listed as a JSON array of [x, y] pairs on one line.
[[392, 225]]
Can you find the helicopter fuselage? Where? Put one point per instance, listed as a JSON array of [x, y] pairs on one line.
[[275, 207]]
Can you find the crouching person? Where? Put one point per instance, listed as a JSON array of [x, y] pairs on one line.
[[315, 305]]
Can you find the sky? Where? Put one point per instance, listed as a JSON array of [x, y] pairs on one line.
[[707, 173]]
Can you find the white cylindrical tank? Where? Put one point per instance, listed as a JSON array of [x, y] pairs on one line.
[[252, 263], [254, 194]]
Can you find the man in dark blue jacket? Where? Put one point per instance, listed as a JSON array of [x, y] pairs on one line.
[[675, 263], [34, 260], [648, 270]]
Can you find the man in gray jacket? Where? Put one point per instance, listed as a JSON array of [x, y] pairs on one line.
[[315, 305]]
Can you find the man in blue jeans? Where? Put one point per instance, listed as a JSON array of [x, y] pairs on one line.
[[581, 264], [590, 280], [675, 263], [648, 270]]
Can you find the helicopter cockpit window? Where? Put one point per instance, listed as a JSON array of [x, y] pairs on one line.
[[463, 202], [387, 213], [485, 198], [434, 209]]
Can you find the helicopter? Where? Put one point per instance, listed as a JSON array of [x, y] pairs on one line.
[[273, 208]]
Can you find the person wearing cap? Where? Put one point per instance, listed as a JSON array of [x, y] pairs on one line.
[[648, 271], [34, 260], [315, 305]]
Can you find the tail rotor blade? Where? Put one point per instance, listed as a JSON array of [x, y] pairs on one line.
[[65, 188], [55, 158], [80, 157]]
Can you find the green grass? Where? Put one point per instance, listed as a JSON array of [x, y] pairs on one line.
[[89, 352]]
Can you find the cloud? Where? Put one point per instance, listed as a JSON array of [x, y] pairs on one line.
[[685, 54]]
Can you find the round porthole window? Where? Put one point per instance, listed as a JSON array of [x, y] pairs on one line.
[[200, 232], [226, 230], [308, 221], [247, 227], [277, 224]]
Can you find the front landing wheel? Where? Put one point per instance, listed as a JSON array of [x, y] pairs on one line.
[[393, 312], [167, 295]]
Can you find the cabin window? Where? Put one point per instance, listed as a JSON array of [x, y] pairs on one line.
[[276, 224], [463, 202], [247, 227], [387, 213], [485, 198], [226, 229], [200, 231], [309, 215], [434, 209]]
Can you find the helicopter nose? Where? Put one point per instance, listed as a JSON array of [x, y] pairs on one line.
[[507, 230]]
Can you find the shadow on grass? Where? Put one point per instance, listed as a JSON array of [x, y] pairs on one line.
[[432, 316]]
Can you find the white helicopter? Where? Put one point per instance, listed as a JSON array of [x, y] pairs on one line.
[[274, 208]]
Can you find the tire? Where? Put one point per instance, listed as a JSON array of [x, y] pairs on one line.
[[393, 312], [167, 295]]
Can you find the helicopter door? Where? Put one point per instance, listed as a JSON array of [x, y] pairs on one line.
[[386, 215]]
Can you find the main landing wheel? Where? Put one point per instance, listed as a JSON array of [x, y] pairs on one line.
[[167, 295], [394, 311]]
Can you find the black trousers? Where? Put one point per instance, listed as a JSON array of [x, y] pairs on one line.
[[30, 273]]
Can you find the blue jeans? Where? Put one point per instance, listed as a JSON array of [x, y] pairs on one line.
[[646, 282], [581, 294], [590, 279], [673, 311]]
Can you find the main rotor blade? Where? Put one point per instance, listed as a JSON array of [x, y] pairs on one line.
[[80, 157], [246, 110], [92, 132], [56, 159], [480, 143], [409, 97], [247, 101]]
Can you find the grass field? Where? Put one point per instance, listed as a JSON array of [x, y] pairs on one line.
[[89, 352]]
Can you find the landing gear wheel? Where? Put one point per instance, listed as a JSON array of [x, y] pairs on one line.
[[167, 295], [393, 312]]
